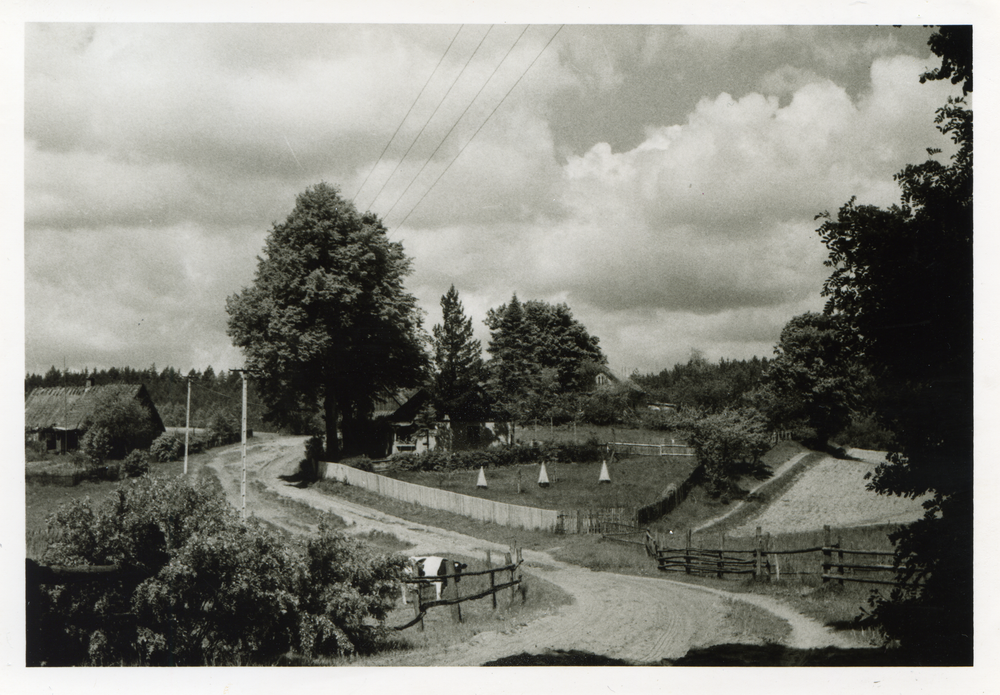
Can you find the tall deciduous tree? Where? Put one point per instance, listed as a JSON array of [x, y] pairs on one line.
[[327, 319], [815, 378], [902, 278], [458, 357]]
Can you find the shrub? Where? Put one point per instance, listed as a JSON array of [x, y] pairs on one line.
[[166, 447], [202, 587], [726, 443], [136, 463], [224, 428], [96, 444], [604, 408], [495, 457]]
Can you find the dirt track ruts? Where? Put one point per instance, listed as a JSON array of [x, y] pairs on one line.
[[637, 619]]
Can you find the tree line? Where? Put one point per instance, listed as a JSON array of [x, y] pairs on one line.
[[213, 395]]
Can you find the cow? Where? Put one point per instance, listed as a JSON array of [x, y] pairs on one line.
[[430, 567]]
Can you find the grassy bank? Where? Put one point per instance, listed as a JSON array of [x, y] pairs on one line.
[[634, 482]]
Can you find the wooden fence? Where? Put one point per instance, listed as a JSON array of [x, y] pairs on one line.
[[635, 449], [763, 562], [451, 594], [512, 515]]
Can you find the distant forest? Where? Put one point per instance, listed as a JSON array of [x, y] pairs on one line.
[[703, 384], [698, 383], [211, 393]]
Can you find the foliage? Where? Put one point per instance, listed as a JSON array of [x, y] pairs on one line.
[[704, 385], [604, 407], [314, 448], [326, 319], [225, 428], [495, 457], [727, 443], [954, 46], [458, 362], [96, 445], [815, 378], [166, 447], [201, 587], [902, 279], [136, 463], [127, 422], [536, 353], [210, 392]]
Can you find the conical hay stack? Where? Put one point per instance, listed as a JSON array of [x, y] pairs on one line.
[[604, 477], [482, 478], [543, 477]]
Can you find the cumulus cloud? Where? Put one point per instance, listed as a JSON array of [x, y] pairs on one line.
[[632, 172]]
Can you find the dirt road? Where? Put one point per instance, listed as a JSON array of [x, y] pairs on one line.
[[637, 619]]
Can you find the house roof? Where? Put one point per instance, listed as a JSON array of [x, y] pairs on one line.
[[69, 407], [625, 382], [389, 403]]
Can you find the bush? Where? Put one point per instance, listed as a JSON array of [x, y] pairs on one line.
[[166, 447], [201, 587], [495, 457], [136, 463], [96, 444], [604, 408], [727, 443]]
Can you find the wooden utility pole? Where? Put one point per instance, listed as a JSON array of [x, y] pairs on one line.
[[243, 451], [187, 425]]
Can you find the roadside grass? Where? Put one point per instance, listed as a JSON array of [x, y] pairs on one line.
[[753, 625], [542, 432], [635, 482]]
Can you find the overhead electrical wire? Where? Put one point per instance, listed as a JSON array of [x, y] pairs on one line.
[[379, 160], [480, 128], [462, 72], [457, 120]]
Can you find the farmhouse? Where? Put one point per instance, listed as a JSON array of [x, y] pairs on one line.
[[59, 416], [407, 432]]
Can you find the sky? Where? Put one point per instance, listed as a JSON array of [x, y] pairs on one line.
[[662, 180]]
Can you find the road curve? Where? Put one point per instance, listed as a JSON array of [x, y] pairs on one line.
[[637, 619]]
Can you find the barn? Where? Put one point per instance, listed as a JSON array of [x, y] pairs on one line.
[[59, 416]]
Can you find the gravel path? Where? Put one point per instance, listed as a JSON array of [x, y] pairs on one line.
[[637, 619]]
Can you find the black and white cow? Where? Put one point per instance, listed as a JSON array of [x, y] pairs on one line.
[[430, 567]]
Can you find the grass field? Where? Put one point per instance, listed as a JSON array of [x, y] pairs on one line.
[[580, 434], [634, 482]]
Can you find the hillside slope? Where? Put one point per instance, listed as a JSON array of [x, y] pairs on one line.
[[833, 491]]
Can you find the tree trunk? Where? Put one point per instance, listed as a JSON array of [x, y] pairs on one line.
[[330, 415]]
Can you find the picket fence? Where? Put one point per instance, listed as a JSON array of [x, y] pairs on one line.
[[512, 515]]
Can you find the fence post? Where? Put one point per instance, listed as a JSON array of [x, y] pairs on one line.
[[416, 608], [508, 561], [451, 590], [722, 545], [826, 552], [493, 593], [757, 554], [840, 557], [767, 554], [687, 553]]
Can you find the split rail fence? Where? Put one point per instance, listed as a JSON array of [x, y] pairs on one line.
[[762, 561], [451, 591]]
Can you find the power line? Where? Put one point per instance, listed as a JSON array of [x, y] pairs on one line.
[[462, 72], [379, 160], [480, 128], [431, 157]]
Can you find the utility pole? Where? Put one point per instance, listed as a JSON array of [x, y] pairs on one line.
[[187, 425], [243, 452]]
